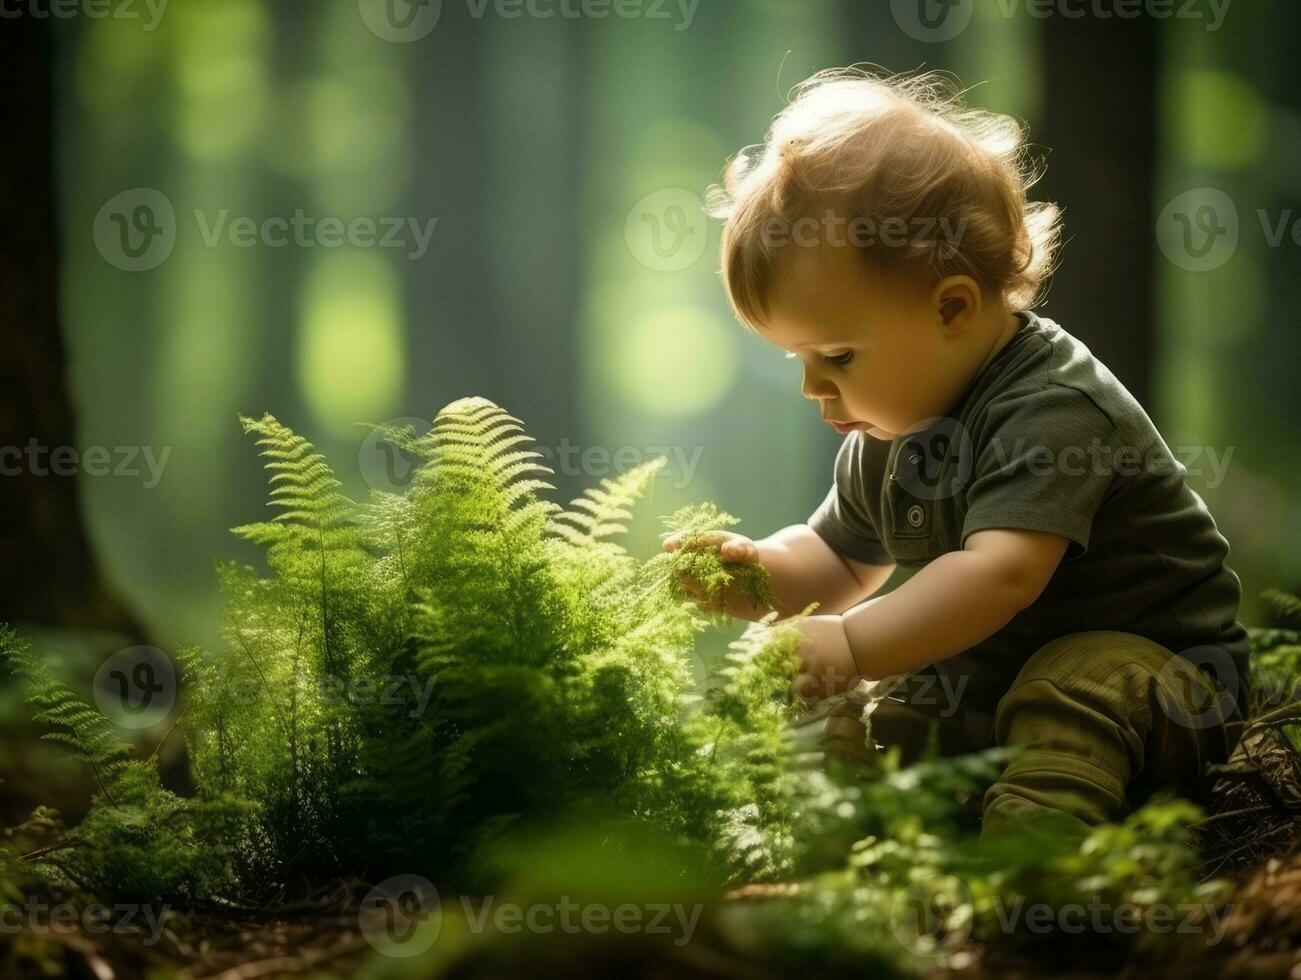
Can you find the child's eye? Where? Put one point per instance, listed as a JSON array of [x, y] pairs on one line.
[[844, 358]]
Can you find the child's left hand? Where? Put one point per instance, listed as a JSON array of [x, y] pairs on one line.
[[828, 662]]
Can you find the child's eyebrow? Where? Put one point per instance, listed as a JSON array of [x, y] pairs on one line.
[[830, 346]]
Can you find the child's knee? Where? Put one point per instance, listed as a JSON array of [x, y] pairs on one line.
[[1104, 663], [1120, 703]]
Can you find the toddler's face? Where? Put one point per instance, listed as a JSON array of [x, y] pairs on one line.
[[876, 356]]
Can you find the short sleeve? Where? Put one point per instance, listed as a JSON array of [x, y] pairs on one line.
[[841, 520], [1044, 462]]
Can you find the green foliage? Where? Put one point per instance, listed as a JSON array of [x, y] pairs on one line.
[[17, 877], [416, 683], [917, 888], [152, 844], [74, 723], [1285, 609], [415, 675], [704, 563], [1145, 862], [1276, 656], [540, 666], [139, 840], [747, 756]]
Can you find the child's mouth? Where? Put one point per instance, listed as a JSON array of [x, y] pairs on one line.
[[844, 427]]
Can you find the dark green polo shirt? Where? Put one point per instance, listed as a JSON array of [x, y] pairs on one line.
[[1046, 438]]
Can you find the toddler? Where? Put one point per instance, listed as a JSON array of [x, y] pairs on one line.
[[1071, 597]]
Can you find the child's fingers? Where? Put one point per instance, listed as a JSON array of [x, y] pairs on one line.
[[710, 539], [739, 549]]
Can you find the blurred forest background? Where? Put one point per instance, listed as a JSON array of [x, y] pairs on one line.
[[557, 164]]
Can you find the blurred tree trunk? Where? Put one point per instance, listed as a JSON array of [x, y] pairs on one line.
[[48, 574], [1099, 121]]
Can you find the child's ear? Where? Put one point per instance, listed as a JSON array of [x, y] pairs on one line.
[[956, 301]]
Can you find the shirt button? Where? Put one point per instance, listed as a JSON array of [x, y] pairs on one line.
[[915, 515]]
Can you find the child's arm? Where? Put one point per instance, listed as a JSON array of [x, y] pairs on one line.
[[949, 606], [805, 569]]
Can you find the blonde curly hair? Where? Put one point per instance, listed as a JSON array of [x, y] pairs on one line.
[[880, 151]]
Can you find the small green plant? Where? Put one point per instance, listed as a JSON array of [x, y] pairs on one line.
[[1276, 656], [139, 840], [418, 675], [415, 683], [704, 562]]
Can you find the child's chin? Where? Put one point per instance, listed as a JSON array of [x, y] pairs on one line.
[[878, 433]]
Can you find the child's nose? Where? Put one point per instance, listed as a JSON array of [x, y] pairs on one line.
[[815, 388]]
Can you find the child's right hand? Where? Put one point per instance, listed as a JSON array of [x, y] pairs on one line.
[[731, 547]]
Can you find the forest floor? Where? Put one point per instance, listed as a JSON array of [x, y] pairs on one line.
[[322, 936]]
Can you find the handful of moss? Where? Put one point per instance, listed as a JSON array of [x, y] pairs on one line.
[[699, 559]]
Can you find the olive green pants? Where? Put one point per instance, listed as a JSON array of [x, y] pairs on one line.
[[1100, 721]]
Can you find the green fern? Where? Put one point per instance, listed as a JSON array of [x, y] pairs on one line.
[[303, 486], [556, 669], [705, 564], [601, 512], [1285, 608], [548, 672], [82, 728], [1276, 654]]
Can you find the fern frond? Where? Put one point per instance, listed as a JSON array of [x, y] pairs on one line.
[[92, 737], [304, 486], [475, 438], [600, 512], [1285, 608], [704, 563]]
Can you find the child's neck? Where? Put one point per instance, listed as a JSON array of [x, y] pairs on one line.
[[1011, 323]]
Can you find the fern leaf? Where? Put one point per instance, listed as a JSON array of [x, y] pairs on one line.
[[75, 723], [304, 486], [1285, 608], [600, 512]]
